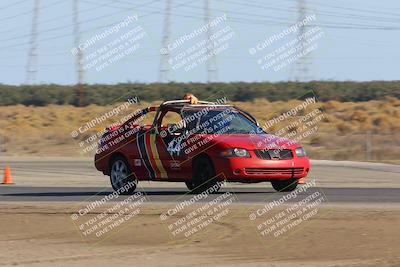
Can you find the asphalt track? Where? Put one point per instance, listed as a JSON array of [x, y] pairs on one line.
[[76, 180], [170, 194]]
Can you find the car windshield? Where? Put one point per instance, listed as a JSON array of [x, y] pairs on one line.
[[221, 121]]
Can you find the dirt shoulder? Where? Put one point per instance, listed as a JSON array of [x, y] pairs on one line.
[[43, 234]]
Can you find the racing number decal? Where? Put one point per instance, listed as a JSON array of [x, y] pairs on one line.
[[148, 152], [174, 147]]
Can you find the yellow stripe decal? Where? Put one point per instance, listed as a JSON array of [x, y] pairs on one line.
[[157, 157]]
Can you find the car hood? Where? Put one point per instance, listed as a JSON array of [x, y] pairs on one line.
[[251, 142]]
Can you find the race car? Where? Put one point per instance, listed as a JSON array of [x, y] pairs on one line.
[[202, 145]]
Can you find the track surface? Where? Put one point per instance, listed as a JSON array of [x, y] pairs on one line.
[[243, 195], [69, 179]]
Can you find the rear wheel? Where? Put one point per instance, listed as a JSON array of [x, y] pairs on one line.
[[121, 176], [204, 176], [284, 185]]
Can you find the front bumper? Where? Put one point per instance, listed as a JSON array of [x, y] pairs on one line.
[[258, 170]]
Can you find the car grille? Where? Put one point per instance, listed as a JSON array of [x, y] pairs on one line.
[[274, 171], [274, 154]]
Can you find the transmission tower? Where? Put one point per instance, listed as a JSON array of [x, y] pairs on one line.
[[31, 67], [164, 72], [300, 69], [79, 53], [211, 63]]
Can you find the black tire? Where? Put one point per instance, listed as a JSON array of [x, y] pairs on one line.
[[190, 185], [284, 185], [120, 175], [204, 176]]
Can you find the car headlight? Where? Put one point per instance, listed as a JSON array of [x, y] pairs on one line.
[[236, 152], [300, 152]]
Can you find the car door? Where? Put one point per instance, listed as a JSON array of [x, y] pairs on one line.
[[170, 137]]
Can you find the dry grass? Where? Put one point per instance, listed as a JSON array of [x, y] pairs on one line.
[[341, 134]]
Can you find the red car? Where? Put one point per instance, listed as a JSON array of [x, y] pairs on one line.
[[200, 144]]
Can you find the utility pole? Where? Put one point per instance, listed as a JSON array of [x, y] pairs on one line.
[[211, 63], [79, 54], [301, 67], [31, 67], [164, 71]]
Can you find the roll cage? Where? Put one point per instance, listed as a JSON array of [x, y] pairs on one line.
[[178, 105]]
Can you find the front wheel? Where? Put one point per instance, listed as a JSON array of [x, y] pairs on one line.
[[190, 185], [121, 176], [284, 185], [204, 177]]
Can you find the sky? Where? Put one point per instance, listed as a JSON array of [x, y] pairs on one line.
[[355, 40]]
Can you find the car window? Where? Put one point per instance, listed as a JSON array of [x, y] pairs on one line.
[[221, 122], [171, 118]]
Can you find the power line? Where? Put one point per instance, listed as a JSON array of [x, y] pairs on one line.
[[359, 10], [322, 23], [280, 21], [320, 12], [55, 19], [13, 4], [89, 30], [85, 21], [32, 11]]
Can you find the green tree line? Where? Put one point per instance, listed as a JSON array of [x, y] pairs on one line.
[[103, 94]]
